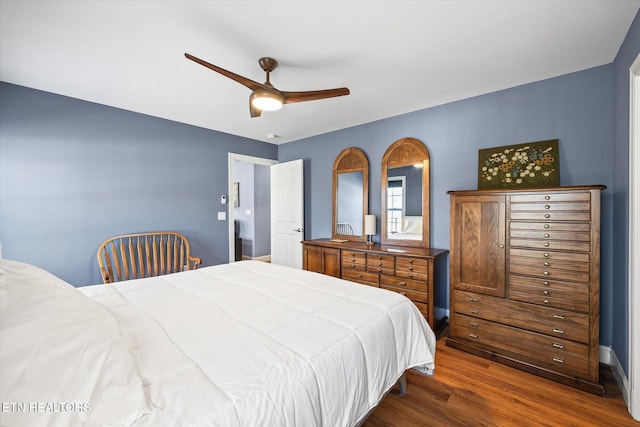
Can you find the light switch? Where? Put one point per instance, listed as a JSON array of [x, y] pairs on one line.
[[222, 216], [247, 212]]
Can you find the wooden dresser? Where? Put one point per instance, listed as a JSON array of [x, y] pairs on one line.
[[525, 280], [409, 271]]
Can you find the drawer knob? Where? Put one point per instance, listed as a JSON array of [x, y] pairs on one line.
[[546, 292], [546, 283], [474, 336], [547, 216], [475, 324], [404, 294], [546, 264], [558, 331], [411, 268], [410, 275], [403, 283], [379, 270], [546, 244], [473, 310], [473, 299], [410, 261], [546, 254], [558, 359], [546, 226], [547, 197], [546, 301], [546, 273], [359, 276], [558, 316], [557, 345], [547, 207], [546, 235]]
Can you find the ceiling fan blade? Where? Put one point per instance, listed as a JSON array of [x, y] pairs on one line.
[[233, 76], [312, 95]]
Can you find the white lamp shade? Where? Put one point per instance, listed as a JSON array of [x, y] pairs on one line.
[[369, 225]]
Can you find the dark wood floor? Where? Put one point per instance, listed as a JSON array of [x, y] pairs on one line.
[[467, 390]]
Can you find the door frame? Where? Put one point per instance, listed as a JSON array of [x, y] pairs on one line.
[[230, 214], [633, 402]]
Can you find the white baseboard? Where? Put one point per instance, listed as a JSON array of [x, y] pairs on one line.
[[608, 357]]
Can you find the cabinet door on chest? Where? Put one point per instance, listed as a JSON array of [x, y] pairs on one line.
[[322, 260], [477, 243]]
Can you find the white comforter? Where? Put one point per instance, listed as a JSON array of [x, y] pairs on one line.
[[256, 344]]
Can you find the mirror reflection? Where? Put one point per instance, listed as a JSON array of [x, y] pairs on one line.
[[350, 195], [405, 194], [404, 202], [350, 188]]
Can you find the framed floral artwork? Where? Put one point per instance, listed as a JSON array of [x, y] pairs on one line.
[[530, 165]]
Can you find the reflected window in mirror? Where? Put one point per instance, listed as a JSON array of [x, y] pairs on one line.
[[405, 193], [350, 194]]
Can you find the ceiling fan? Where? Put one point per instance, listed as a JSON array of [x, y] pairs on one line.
[[264, 96]]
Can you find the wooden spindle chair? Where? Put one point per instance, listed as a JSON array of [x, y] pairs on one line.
[[133, 256]]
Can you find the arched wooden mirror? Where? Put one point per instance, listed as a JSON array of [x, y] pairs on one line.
[[350, 195], [405, 194]]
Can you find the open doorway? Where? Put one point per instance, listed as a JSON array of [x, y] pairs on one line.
[[249, 207]]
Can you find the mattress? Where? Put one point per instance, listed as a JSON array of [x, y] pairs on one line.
[[251, 343]]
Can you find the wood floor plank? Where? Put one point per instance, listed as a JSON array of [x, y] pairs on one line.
[[467, 390]]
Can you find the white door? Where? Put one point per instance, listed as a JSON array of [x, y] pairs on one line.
[[287, 213]]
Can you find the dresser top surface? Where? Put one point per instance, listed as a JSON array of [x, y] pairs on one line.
[[377, 248]]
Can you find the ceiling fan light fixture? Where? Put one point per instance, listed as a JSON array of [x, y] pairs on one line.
[[266, 101]]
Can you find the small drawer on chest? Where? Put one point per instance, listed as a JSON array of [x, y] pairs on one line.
[[352, 260], [575, 206], [360, 276], [402, 283], [550, 295], [412, 295], [382, 264], [412, 268]]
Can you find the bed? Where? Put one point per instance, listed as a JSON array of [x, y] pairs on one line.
[[411, 229], [241, 344]]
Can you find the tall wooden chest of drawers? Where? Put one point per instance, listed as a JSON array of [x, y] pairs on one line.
[[525, 280], [406, 270]]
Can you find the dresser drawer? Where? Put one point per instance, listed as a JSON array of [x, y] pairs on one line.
[[412, 295], [580, 236], [568, 300], [400, 282], [550, 216], [546, 263], [354, 257], [550, 244], [353, 266], [574, 287], [412, 268], [424, 309], [551, 255], [545, 320], [560, 355], [380, 264], [552, 206], [549, 272], [545, 197], [360, 277], [550, 226]]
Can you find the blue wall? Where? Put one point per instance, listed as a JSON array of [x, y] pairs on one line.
[[620, 189], [576, 108], [73, 173]]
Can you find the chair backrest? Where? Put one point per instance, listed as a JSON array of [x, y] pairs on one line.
[[344, 228], [133, 256]]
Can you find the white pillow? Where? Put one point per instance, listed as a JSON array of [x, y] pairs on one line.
[[412, 224], [62, 359]]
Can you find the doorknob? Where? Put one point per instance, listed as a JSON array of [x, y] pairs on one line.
[[299, 229]]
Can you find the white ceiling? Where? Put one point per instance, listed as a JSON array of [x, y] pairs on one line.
[[395, 56]]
